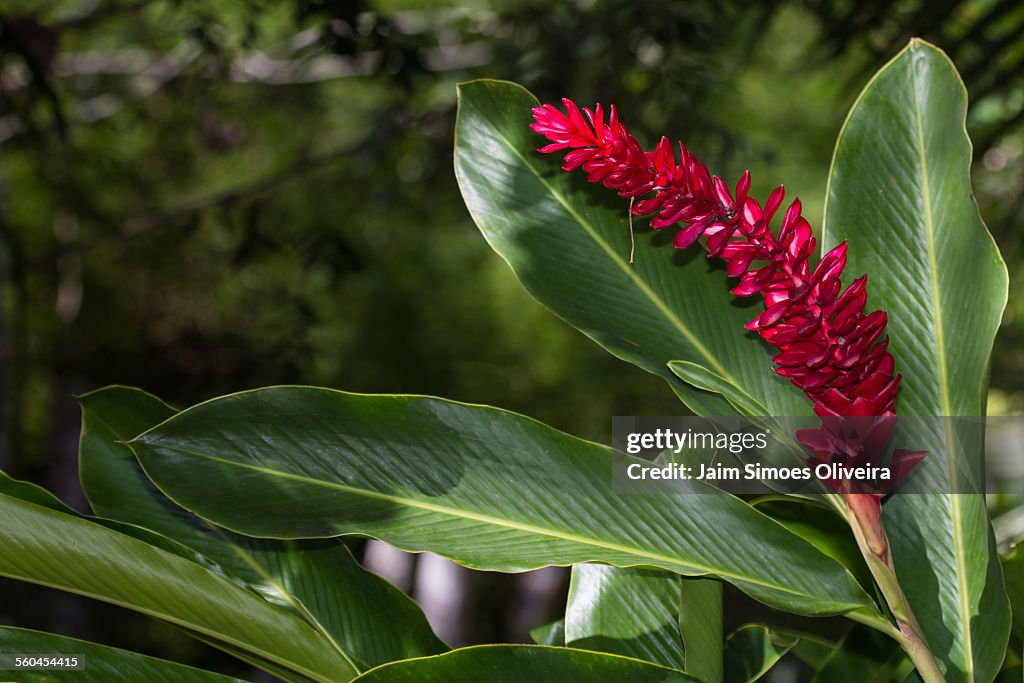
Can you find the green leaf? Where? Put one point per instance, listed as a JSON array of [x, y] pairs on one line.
[[752, 650], [550, 634], [319, 580], [102, 664], [900, 193], [702, 378], [44, 546], [519, 663], [1012, 673], [632, 612], [490, 489], [700, 623], [37, 495], [569, 243]]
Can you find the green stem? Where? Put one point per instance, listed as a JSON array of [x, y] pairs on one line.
[[874, 545]]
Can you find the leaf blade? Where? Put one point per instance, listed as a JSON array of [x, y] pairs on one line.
[[485, 478], [50, 548], [914, 227], [319, 580]]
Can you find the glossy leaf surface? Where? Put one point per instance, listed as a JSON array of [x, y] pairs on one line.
[[317, 579], [550, 634], [632, 612], [491, 489], [900, 192], [823, 528], [67, 552]]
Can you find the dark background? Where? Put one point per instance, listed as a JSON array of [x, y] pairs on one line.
[[200, 197]]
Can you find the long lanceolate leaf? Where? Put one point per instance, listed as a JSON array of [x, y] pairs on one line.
[[491, 489], [569, 244], [101, 664], [319, 580], [900, 193], [52, 548]]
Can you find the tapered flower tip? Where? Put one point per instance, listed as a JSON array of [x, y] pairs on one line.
[[742, 188], [832, 263], [546, 114], [774, 202]]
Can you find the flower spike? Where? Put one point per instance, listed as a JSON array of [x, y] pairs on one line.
[[828, 346]]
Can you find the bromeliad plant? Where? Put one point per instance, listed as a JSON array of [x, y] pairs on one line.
[[223, 519]]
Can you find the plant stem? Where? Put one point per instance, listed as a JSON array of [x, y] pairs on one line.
[[874, 545]]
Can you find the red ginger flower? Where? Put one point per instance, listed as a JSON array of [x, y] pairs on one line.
[[828, 346]]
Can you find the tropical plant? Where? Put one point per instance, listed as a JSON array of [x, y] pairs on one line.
[[223, 519]]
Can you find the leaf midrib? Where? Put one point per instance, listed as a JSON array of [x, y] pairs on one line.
[[944, 390], [494, 521]]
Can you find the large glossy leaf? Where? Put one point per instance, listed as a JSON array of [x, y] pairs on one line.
[[900, 193], [44, 546], [488, 488], [519, 663], [319, 580], [569, 244], [632, 612], [32, 493], [35, 494], [102, 664]]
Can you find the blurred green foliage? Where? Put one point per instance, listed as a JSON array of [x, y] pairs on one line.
[[200, 197]]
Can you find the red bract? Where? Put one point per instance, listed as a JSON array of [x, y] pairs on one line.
[[857, 441], [828, 346]]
